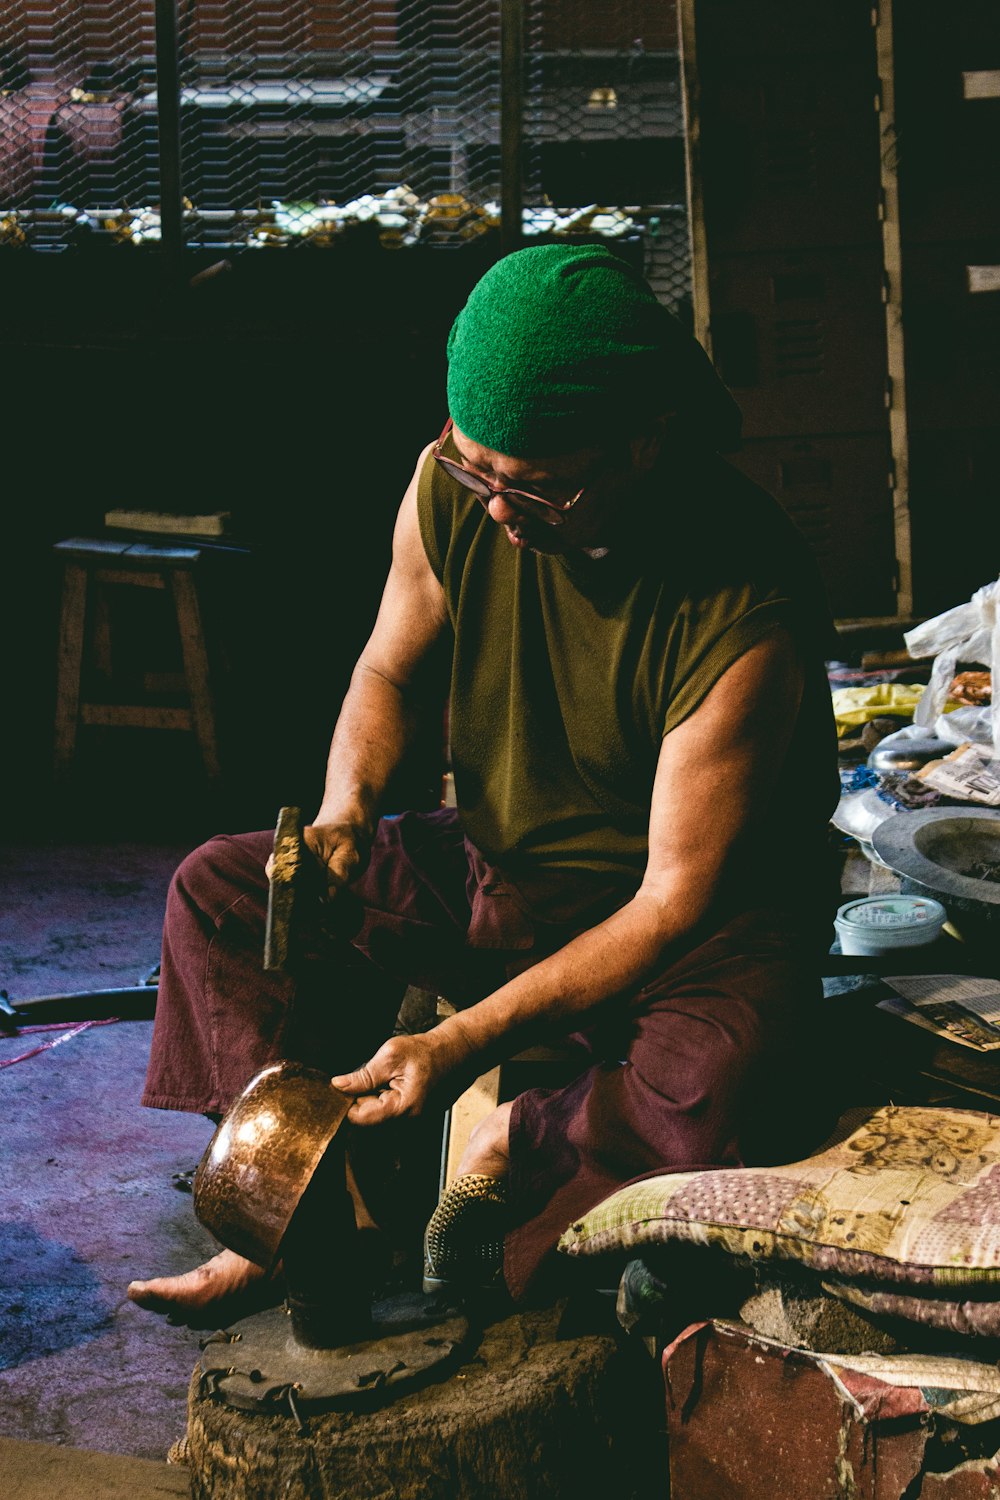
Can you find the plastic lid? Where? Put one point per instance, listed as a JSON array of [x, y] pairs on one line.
[[892, 911]]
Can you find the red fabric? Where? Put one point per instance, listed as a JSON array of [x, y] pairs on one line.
[[714, 1064], [685, 1076]]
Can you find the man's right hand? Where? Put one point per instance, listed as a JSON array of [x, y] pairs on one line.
[[341, 850]]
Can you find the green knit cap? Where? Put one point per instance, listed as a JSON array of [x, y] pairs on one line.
[[566, 346]]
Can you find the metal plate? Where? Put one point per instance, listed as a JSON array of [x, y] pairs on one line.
[[946, 851], [258, 1365]]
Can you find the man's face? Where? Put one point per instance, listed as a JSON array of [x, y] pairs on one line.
[[606, 478]]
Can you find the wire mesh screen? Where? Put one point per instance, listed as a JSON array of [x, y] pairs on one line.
[[304, 120], [69, 159], [604, 132]]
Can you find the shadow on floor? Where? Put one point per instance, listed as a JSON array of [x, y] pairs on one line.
[[86, 1194]]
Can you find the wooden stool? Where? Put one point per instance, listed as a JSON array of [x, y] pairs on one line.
[[90, 568]]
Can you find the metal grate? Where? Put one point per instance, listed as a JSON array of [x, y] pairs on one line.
[[604, 132], [304, 121], [69, 165], [301, 121]]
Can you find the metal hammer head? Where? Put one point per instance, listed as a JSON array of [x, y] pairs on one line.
[[293, 882]]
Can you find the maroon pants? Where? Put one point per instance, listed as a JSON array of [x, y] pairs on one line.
[[711, 1063]]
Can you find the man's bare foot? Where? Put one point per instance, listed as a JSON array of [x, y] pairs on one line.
[[488, 1149], [228, 1283]]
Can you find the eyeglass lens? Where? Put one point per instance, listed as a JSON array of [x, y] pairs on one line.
[[530, 504]]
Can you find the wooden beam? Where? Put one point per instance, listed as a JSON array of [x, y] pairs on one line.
[[691, 98], [885, 105]]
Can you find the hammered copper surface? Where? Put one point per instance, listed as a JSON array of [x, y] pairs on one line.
[[262, 1156]]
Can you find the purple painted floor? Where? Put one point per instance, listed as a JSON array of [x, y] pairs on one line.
[[86, 1199]]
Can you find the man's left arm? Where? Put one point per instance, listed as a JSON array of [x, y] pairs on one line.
[[715, 771]]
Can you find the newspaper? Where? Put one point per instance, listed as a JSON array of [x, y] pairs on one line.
[[971, 773], [956, 1007]]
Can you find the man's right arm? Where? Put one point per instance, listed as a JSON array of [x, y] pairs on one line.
[[379, 715]]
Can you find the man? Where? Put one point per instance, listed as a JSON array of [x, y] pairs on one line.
[[629, 636]]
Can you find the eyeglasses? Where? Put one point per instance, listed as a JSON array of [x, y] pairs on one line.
[[552, 512]]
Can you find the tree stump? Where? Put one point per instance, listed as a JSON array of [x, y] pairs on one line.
[[540, 1408]]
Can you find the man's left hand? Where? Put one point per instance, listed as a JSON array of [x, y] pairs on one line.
[[398, 1081]]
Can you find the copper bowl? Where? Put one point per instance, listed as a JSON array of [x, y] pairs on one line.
[[261, 1158]]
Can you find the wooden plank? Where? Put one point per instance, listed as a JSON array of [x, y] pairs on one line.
[[468, 1111], [196, 670], [129, 578], [100, 634], [982, 278], [877, 661], [882, 881], [882, 626], [210, 524], [497, 1086], [72, 620], [892, 263], [982, 84], [135, 716], [164, 682], [691, 99]]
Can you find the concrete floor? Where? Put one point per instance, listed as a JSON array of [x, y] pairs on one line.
[[86, 1198]]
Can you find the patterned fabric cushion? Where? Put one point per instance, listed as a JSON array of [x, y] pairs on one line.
[[902, 1195], [976, 1316]]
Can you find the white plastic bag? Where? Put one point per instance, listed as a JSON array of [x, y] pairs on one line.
[[969, 632], [965, 725]]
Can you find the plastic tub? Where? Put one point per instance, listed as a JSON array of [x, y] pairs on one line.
[[878, 924]]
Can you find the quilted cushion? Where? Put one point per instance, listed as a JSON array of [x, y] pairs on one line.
[[974, 1316], [902, 1195]]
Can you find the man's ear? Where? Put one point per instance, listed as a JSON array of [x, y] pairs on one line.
[[646, 445]]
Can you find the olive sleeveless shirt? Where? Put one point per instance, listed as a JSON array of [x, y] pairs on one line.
[[567, 673]]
